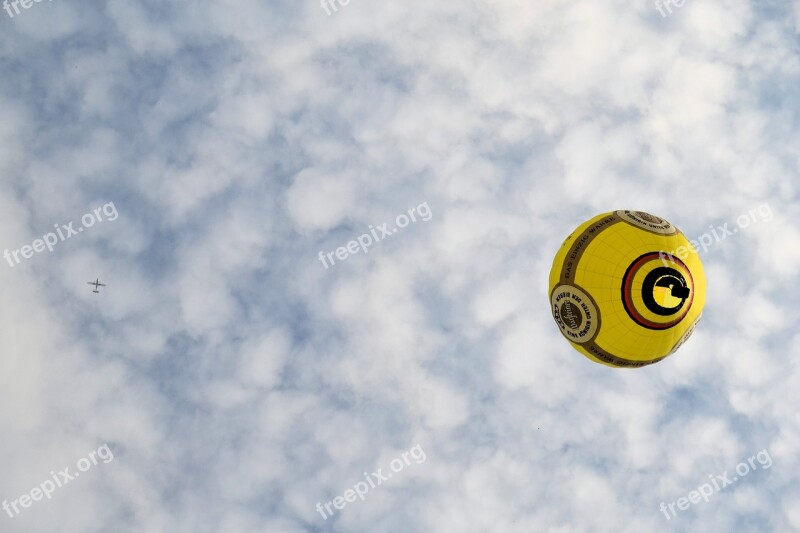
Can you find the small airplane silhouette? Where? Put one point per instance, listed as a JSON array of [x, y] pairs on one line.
[[96, 284]]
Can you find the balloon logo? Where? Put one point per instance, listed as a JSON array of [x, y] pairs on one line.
[[621, 294]]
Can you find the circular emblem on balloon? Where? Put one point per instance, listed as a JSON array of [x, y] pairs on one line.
[[648, 222], [575, 313], [657, 290]]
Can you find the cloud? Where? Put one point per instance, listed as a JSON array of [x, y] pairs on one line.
[[239, 382]]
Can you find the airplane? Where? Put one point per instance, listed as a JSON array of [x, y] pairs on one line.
[[96, 284]]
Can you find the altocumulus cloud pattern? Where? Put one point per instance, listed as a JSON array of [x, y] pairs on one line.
[[224, 379]]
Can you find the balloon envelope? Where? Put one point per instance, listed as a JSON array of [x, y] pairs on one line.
[[627, 288]]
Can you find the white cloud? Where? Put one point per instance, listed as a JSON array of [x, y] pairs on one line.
[[239, 382]]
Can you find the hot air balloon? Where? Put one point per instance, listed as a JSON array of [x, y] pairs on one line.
[[627, 289]]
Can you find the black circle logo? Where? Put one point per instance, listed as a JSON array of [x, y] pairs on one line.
[[656, 296], [664, 291]]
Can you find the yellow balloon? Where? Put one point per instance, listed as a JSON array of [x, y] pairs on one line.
[[627, 289]]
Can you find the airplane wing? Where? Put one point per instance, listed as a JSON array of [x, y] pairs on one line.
[[102, 284]]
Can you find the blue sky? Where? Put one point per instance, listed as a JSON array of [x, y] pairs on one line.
[[239, 381]]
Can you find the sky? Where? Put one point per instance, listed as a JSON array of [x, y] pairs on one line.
[[325, 234]]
